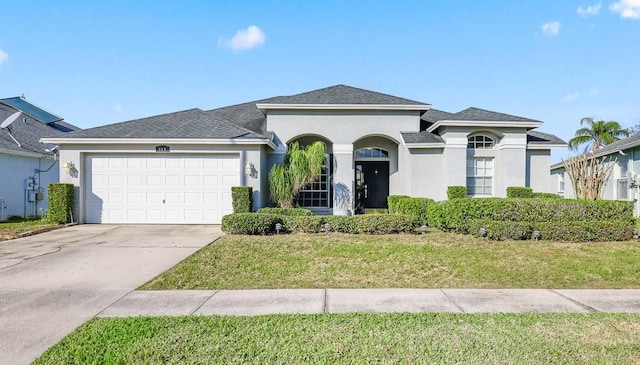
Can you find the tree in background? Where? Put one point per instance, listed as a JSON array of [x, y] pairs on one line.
[[301, 167], [634, 130], [588, 175], [597, 134]]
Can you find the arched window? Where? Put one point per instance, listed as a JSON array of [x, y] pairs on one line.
[[480, 142], [371, 152]]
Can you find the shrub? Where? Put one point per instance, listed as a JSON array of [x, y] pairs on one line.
[[519, 192], [499, 229], [392, 201], [250, 223], [303, 223], [242, 197], [455, 212], [341, 223], [416, 207], [593, 230], [285, 211], [456, 192], [547, 196], [61, 200]]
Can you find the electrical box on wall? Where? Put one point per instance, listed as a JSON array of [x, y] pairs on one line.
[[39, 196], [31, 197]]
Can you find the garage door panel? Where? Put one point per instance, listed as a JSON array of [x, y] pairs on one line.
[[159, 189]]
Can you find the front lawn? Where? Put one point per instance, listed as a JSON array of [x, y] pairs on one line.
[[426, 338], [16, 228], [435, 260]]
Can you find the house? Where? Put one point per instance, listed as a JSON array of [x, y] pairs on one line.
[[624, 155], [27, 166], [179, 167]]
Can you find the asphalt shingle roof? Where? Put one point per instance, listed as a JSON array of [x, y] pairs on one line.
[[192, 124], [421, 137], [434, 115], [343, 94], [540, 138], [477, 114]]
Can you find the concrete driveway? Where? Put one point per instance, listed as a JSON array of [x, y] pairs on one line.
[[53, 282]]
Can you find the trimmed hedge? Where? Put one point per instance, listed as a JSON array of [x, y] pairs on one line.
[[585, 231], [242, 198], [303, 223], [392, 203], [456, 192], [451, 215], [61, 198], [250, 223], [519, 192], [262, 224], [547, 196], [416, 207], [285, 211]]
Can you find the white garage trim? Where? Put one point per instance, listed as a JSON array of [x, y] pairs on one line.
[[157, 189]]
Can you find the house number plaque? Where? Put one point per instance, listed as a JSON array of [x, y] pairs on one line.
[[163, 149]]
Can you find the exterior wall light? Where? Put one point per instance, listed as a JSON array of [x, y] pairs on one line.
[[248, 170], [68, 166]]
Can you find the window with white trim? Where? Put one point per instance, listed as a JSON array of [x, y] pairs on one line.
[[480, 142], [316, 194], [561, 183], [480, 176], [371, 152]]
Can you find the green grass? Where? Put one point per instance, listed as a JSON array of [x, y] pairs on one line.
[[355, 339], [14, 228], [435, 260]]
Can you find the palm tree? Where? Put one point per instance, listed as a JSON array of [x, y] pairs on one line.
[[597, 133]]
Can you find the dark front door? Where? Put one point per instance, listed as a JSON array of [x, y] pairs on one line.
[[372, 185]]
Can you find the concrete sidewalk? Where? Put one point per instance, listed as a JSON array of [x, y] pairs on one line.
[[273, 301]]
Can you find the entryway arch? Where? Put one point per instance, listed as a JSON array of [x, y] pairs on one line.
[[375, 160]]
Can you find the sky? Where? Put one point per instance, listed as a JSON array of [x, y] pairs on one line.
[[101, 62]]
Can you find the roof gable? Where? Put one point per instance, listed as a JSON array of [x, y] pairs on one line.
[[187, 124], [343, 97], [477, 114]]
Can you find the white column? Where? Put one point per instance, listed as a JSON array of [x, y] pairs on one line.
[[342, 179]]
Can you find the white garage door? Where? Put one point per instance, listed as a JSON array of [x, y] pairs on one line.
[[159, 189]]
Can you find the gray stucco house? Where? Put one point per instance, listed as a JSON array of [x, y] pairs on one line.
[[26, 165], [179, 167], [624, 155]]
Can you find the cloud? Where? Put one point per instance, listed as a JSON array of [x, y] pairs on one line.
[[245, 39], [116, 108], [571, 97], [3, 56], [551, 29], [594, 92], [589, 10], [629, 9]]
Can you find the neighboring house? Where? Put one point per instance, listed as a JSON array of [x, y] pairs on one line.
[[179, 167], [27, 166], [622, 185]]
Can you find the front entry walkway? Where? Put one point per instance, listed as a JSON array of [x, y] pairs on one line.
[[53, 282]]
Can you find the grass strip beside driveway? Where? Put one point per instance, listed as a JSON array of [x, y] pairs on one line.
[[354, 339], [435, 260], [18, 228]]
